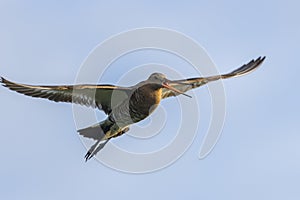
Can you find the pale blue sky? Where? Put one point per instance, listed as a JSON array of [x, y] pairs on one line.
[[258, 155]]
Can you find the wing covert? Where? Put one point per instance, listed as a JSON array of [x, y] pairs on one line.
[[95, 96]]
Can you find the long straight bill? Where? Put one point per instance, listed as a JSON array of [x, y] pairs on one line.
[[175, 90]]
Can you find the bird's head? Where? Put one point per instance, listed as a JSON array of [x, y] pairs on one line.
[[162, 82], [158, 78]]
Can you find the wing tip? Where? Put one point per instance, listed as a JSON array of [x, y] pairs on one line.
[[249, 67], [260, 59], [258, 62], [4, 81]]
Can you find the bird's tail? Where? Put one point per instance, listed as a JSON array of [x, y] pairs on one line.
[[95, 132]]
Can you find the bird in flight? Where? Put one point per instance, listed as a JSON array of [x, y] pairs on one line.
[[123, 105]]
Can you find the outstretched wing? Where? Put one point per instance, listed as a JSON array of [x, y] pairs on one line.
[[188, 84], [96, 96]]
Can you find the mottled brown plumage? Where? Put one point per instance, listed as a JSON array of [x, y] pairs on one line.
[[123, 105]]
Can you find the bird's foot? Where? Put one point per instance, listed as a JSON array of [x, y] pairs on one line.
[[87, 156]]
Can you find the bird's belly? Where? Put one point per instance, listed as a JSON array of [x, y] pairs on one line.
[[139, 107], [141, 112], [125, 115], [121, 115]]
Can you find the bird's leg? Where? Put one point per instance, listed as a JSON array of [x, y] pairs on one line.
[[97, 146], [94, 149], [87, 155]]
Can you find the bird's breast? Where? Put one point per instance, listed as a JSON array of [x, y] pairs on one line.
[[143, 102]]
